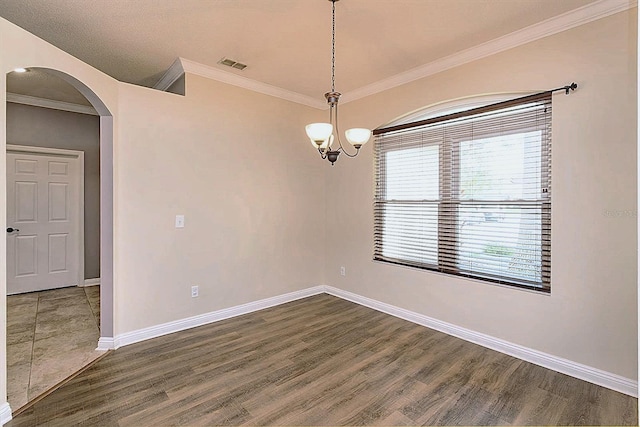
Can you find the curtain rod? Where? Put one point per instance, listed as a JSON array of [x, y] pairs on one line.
[[478, 110]]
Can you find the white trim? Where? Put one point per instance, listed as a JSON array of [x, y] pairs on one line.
[[254, 85], [34, 101], [559, 364], [44, 150], [91, 282], [170, 76], [582, 15], [214, 316], [5, 413], [106, 343], [78, 155]]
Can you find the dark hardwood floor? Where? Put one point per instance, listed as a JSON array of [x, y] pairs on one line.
[[321, 361]]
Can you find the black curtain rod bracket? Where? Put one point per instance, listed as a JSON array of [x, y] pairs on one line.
[[573, 86]]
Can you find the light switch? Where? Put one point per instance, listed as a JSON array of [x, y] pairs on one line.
[[179, 221]]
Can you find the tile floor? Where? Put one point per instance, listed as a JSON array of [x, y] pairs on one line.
[[50, 335]]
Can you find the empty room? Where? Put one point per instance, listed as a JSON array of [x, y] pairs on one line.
[[319, 212]]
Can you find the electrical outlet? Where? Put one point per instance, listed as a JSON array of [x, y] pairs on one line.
[[343, 271], [179, 221], [194, 291]]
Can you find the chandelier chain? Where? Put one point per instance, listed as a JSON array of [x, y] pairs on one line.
[[333, 48]]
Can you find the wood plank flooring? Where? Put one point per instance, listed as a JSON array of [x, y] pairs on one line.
[[322, 361]]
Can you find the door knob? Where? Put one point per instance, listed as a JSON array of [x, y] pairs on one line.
[[11, 229]]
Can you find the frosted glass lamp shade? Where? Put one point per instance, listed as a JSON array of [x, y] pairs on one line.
[[319, 134], [358, 136]]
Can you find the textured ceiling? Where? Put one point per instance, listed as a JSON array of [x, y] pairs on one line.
[[285, 43], [41, 84]]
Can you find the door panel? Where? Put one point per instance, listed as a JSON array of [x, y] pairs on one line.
[[43, 199], [58, 252], [26, 255], [58, 168], [58, 202], [25, 166], [26, 201]]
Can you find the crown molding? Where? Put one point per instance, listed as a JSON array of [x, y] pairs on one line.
[[172, 74], [580, 16], [254, 85], [34, 101]]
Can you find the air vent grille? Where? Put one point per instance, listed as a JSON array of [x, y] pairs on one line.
[[233, 64]]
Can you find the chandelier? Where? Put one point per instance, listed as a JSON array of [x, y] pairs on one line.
[[322, 135]]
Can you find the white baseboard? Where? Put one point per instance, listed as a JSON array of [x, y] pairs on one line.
[[559, 364], [106, 343], [214, 316], [5, 413], [90, 282]]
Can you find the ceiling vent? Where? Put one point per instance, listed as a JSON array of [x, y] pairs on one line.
[[233, 64]]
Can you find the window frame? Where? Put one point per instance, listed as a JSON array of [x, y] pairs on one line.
[[448, 204]]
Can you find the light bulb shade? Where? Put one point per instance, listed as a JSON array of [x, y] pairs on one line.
[[319, 134], [358, 136]]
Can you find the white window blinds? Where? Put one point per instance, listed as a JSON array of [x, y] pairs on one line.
[[469, 193]]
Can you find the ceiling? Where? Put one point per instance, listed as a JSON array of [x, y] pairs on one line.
[[285, 43], [40, 84]]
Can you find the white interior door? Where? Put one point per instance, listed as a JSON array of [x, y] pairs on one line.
[[43, 197]]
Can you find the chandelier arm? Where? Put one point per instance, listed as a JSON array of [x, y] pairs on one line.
[[323, 151], [351, 155], [337, 130]]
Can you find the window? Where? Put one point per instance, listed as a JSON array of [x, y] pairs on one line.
[[469, 193]]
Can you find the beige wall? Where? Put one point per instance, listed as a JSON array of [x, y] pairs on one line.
[[234, 162], [19, 48], [44, 127], [260, 222], [591, 315]]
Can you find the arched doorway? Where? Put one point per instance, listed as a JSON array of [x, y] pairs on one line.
[[106, 205], [105, 226]]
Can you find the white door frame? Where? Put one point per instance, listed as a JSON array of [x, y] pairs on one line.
[[24, 149]]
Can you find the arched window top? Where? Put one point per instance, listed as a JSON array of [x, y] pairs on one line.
[[453, 106]]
